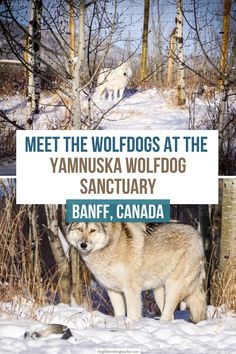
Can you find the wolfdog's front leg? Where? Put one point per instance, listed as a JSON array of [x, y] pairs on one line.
[[121, 92], [133, 303], [117, 301]]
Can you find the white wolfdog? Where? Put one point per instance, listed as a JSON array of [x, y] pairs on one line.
[[113, 81], [126, 259]]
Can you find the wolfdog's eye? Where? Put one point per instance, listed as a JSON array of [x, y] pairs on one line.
[[92, 230], [80, 229]]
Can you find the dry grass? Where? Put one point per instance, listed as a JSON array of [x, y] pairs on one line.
[[20, 276], [8, 142], [223, 288]]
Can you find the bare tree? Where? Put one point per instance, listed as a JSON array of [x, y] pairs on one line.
[[63, 266], [224, 77], [157, 42], [180, 54], [76, 83], [72, 34], [143, 71], [34, 45], [170, 69], [215, 71]]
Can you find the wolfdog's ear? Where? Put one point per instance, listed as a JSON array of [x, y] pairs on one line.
[[111, 227], [106, 225]]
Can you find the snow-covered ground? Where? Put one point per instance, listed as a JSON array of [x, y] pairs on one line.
[[150, 109], [95, 330]]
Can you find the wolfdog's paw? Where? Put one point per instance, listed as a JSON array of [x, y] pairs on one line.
[[129, 323], [45, 330]]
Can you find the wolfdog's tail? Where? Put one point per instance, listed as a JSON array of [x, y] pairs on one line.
[[196, 301]]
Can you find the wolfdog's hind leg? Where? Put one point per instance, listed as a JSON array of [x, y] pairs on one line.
[[173, 296], [159, 295], [117, 301]]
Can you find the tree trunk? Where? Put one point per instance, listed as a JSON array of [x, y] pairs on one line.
[[159, 41], [63, 269], [76, 106], [32, 253], [225, 39], [228, 224], [26, 71], [180, 54], [158, 56], [170, 69], [143, 72], [34, 85], [233, 54], [224, 291], [72, 35], [224, 79], [221, 124], [75, 263]]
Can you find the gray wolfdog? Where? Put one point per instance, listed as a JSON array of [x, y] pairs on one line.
[[126, 258]]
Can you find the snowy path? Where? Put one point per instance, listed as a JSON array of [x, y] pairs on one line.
[[145, 110], [95, 330]]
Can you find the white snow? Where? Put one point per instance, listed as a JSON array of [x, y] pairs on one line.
[[150, 109], [93, 330]]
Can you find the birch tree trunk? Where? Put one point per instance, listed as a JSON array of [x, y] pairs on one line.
[[76, 105], [63, 268], [170, 69], [26, 71], [157, 43], [180, 54], [228, 225], [76, 116], [233, 53], [226, 289], [75, 263], [143, 71], [35, 276], [34, 84], [29, 58], [72, 35]]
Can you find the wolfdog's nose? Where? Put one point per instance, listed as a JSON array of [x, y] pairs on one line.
[[83, 245]]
